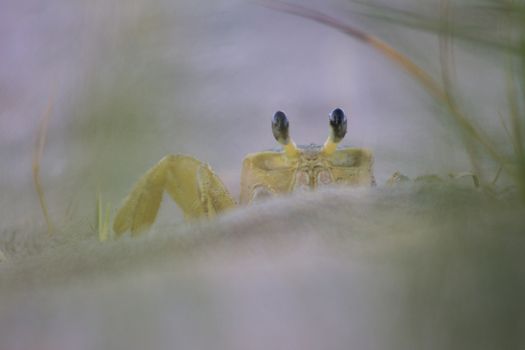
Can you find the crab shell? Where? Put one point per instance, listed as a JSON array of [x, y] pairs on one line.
[[275, 172]]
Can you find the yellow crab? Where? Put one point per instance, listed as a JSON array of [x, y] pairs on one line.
[[200, 193]]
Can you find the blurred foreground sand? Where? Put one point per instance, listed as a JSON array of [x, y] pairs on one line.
[[437, 267]]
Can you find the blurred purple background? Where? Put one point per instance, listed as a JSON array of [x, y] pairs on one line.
[[132, 81]]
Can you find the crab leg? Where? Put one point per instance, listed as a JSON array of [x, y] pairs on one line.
[[192, 184]]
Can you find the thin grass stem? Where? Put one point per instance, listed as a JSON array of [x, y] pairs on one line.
[[38, 153]]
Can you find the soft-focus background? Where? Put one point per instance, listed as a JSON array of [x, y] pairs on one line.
[[134, 81], [131, 81]]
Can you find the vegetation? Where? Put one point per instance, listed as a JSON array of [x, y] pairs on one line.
[[503, 35]]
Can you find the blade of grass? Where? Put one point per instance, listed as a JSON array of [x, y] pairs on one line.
[[415, 71], [512, 97], [390, 14], [37, 159], [99, 216], [497, 176], [507, 132], [103, 218], [448, 77], [107, 221], [513, 104], [512, 80]]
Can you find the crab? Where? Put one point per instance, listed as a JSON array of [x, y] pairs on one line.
[[200, 193]]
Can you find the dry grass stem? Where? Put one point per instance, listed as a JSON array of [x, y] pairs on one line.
[[37, 159], [429, 83]]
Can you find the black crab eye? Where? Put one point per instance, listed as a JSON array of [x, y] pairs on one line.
[[338, 123], [280, 127]]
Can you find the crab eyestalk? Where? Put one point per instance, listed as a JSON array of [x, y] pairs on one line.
[[280, 130], [338, 123]]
